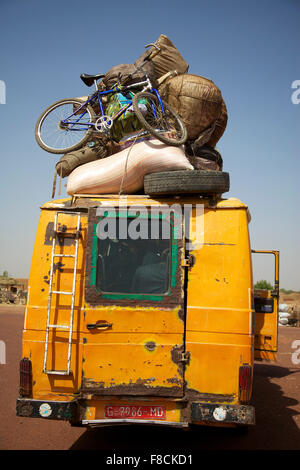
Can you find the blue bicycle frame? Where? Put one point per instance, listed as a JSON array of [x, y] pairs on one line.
[[97, 95]]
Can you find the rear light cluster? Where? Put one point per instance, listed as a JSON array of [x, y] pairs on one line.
[[245, 383], [25, 377]]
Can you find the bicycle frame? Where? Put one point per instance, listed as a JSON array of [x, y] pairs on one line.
[[97, 96]]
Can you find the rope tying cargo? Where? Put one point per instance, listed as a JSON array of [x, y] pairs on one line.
[[125, 170]]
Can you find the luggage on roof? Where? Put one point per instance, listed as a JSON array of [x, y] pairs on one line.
[[197, 100], [166, 59]]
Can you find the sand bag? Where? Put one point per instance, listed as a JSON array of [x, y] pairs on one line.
[[284, 315], [283, 307], [167, 60], [197, 100], [125, 170]]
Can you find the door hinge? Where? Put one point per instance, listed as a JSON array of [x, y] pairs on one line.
[[185, 357], [188, 262], [275, 293]]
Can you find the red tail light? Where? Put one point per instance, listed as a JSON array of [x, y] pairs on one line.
[[25, 377], [245, 383]]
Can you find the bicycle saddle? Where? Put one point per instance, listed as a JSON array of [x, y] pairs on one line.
[[89, 79]]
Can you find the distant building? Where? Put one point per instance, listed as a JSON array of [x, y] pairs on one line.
[[23, 283], [13, 290]]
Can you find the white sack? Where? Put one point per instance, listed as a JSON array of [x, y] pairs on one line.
[[105, 176], [283, 321], [283, 307], [284, 315]]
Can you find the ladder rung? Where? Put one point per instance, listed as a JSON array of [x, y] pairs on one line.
[[61, 292], [66, 327], [67, 234], [58, 232], [58, 372]]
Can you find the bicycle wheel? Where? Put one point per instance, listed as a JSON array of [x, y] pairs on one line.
[[60, 129], [164, 124]]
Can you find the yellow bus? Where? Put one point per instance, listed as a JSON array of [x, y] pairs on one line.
[[125, 327]]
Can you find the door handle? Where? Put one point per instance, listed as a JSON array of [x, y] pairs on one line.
[[91, 326]]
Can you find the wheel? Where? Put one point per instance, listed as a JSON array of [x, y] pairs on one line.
[[186, 181], [55, 136], [166, 126]]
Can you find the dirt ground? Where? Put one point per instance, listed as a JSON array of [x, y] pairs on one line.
[[276, 397]]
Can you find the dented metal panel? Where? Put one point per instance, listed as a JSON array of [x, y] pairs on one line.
[[128, 359]]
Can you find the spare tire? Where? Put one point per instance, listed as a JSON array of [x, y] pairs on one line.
[[187, 181]]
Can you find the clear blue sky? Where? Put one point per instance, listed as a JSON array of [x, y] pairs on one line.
[[249, 48]]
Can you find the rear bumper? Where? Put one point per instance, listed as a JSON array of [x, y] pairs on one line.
[[114, 422], [193, 413], [64, 410], [203, 413]]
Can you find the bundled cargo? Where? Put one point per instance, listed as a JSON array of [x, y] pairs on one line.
[[72, 160], [203, 157], [128, 74], [220, 126], [125, 170], [199, 103], [153, 98], [164, 56]]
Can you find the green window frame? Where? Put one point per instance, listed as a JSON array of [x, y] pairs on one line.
[[95, 296]]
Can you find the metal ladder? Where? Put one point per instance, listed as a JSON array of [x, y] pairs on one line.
[[54, 255]]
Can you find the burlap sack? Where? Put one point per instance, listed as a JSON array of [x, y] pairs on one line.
[[167, 60], [197, 100], [127, 74], [220, 126], [72, 160]]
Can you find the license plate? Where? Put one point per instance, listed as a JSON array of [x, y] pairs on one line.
[[134, 412]]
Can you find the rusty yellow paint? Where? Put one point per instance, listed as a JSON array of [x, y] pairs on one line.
[[219, 314], [118, 356], [266, 325], [218, 328]]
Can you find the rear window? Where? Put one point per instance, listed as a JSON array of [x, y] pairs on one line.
[[135, 266]]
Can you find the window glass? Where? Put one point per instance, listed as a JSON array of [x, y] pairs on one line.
[[137, 266]]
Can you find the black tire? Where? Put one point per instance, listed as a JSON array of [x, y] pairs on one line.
[[187, 181], [44, 116], [161, 123]]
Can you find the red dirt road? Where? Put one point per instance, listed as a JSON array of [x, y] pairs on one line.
[[276, 399]]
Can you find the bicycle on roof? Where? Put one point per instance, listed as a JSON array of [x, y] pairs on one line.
[[68, 124]]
